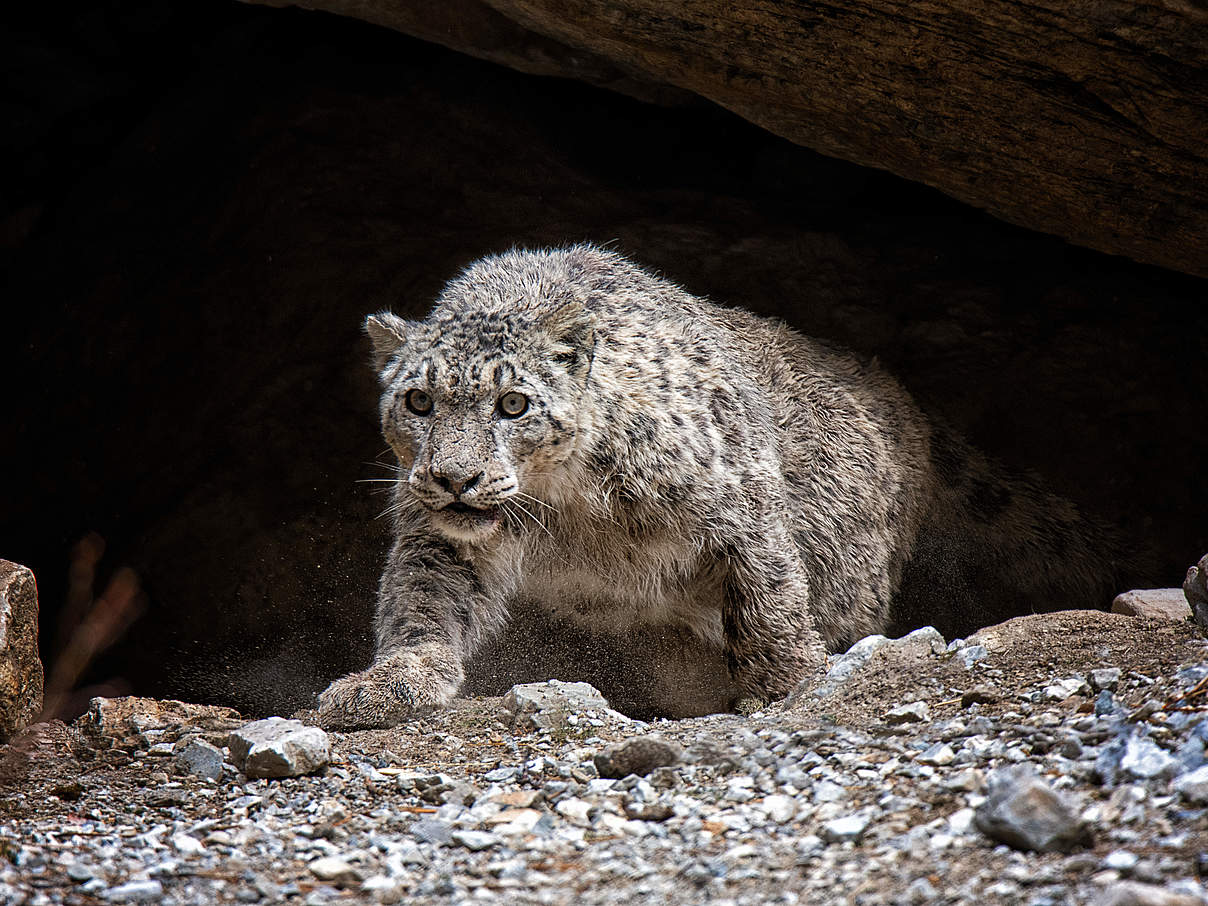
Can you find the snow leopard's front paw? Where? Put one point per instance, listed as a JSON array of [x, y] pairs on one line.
[[392, 690], [365, 700]]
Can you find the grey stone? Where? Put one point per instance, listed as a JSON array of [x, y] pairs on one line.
[[1155, 603], [637, 755], [1105, 678], [135, 892], [971, 654], [79, 872], [20, 667], [475, 840], [1193, 786], [432, 830], [276, 747], [1145, 759], [548, 705], [911, 713], [1023, 812], [921, 643], [201, 758], [980, 695]]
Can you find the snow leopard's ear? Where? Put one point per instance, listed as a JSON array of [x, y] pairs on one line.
[[572, 330], [387, 332]]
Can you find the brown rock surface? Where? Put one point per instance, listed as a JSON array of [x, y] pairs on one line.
[[1092, 127], [20, 666], [118, 718], [1195, 589], [1159, 603]]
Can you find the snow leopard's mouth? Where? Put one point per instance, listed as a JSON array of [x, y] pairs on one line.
[[479, 517]]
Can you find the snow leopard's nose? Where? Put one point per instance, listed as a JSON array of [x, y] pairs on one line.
[[453, 481]]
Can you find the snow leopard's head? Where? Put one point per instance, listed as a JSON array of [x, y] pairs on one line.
[[482, 397]]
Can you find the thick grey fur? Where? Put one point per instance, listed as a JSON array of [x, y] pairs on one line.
[[679, 464]]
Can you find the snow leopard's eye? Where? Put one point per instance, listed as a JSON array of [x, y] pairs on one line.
[[418, 402], [513, 404]]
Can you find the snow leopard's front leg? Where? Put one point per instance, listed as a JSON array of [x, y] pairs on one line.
[[432, 611], [771, 643]]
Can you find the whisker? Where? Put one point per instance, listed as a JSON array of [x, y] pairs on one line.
[[533, 499], [540, 524]]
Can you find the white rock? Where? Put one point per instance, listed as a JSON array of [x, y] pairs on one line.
[[333, 868], [840, 830], [475, 840], [575, 810], [939, 754], [779, 808], [187, 844], [276, 747], [135, 892], [911, 713], [1062, 689], [960, 821], [548, 705], [1143, 758], [1193, 786], [1120, 860]]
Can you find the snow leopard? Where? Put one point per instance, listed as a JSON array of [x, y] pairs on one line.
[[575, 431]]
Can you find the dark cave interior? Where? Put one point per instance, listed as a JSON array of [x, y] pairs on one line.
[[204, 199]]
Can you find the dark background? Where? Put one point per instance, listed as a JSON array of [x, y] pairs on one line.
[[202, 200]]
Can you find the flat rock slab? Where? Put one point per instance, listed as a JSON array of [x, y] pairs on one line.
[[117, 718], [20, 667], [276, 747], [1157, 603]]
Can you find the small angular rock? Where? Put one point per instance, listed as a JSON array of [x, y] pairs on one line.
[[334, 869], [475, 840], [276, 747], [201, 758], [547, 705], [1193, 786], [1156, 603], [980, 695], [840, 830], [20, 667], [911, 713], [637, 755], [1023, 812], [1145, 759], [1062, 689]]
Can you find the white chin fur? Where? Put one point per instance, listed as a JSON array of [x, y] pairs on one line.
[[457, 528]]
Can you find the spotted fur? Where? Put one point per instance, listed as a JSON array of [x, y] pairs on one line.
[[678, 463]]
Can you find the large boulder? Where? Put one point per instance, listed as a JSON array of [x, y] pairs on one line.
[[20, 666]]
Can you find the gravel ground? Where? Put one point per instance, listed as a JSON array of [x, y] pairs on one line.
[[878, 785]]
